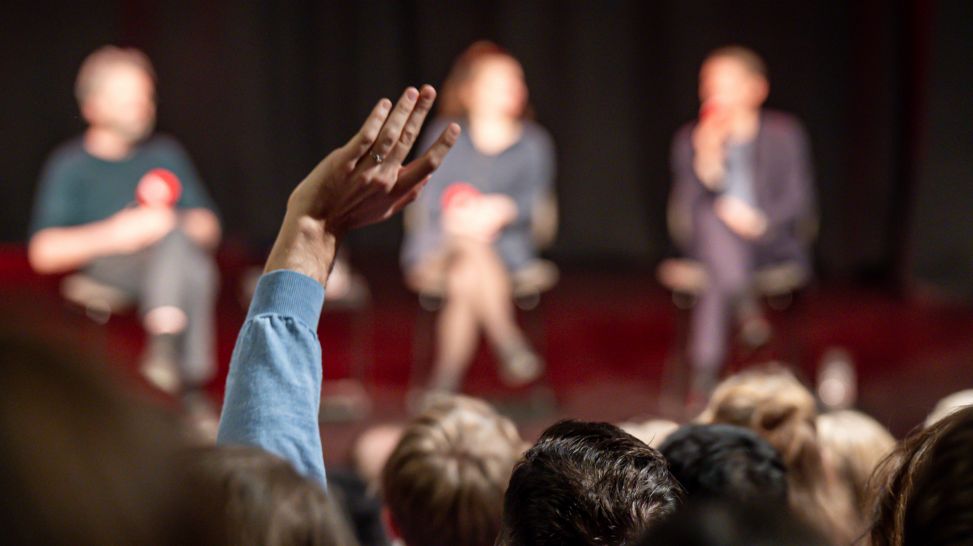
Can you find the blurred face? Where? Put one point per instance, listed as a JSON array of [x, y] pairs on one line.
[[122, 101], [496, 87], [726, 83]]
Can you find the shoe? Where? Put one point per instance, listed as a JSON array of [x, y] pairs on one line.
[[160, 364], [161, 373], [755, 332], [520, 366], [417, 401], [201, 416]]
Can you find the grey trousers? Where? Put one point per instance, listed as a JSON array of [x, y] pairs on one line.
[[172, 272], [729, 261]]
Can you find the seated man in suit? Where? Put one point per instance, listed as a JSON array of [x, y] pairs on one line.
[[127, 207], [742, 181]]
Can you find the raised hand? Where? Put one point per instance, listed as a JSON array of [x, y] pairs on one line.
[[360, 183]]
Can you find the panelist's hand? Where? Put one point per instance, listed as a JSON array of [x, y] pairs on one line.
[[708, 137], [134, 228], [360, 183], [480, 218], [745, 220]]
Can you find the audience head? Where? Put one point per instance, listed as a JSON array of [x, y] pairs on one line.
[[734, 78], [84, 463], [774, 404], [371, 451], [485, 80], [586, 483], [653, 432], [266, 501], [115, 89], [726, 462], [950, 404], [855, 443], [924, 487], [725, 523], [444, 482]]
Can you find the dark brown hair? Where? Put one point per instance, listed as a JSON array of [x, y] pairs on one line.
[[587, 483], [266, 501], [82, 462], [923, 488]]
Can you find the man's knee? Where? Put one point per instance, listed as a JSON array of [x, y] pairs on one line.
[[730, 281]]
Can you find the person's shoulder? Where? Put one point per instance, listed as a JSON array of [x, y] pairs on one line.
[[683, 137], [777, 121], [163, 142], [685, 130], [69, 152], [536, 134]]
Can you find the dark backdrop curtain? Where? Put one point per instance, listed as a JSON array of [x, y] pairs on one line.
[[259, 91]]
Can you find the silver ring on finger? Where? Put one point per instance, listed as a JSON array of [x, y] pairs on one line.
[[378, 158]]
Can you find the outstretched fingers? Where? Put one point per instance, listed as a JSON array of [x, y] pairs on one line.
[[410, 131], [389, 135], [363, 140], [420, 168]]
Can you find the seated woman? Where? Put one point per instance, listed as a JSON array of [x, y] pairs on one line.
[[470, 231]]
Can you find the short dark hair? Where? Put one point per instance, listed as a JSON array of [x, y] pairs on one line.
[[266, 501], [725, 523], [587, 483], [726, 461]]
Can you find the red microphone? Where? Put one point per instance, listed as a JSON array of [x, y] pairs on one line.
[[158, 188], [709, 109], [459, 193]]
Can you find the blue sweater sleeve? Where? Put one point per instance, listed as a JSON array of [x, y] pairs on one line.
[[274, 386]]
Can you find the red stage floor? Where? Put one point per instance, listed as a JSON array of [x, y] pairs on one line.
[[605, 334]]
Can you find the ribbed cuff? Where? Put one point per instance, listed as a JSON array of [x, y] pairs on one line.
[[288, 293]]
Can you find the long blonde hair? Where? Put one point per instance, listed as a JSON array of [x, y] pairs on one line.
[[773, 403]]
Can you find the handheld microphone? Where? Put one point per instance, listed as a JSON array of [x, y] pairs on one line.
[[459, 193], [159, 188]]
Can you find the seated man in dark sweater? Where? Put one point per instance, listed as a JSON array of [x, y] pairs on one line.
[[741, 186], [128, 208]]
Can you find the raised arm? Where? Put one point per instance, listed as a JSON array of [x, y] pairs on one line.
[[273, 390]]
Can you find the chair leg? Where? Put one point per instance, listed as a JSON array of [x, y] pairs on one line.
[[423, 333], [674, 384]]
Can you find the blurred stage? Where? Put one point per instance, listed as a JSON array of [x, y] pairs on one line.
[[606, 335]]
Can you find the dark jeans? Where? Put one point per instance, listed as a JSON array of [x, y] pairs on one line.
[[172, 272]]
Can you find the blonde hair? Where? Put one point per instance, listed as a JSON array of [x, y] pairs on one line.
[[652, 431], [949, 405], [857, 444], [773, 403], [444, 483], [95, 66]]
